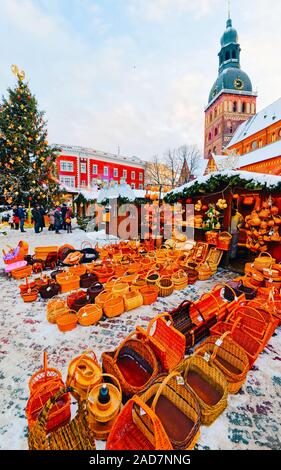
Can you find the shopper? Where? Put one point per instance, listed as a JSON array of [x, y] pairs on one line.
[[16, 220], [42, 213], [21, 215], [58, 219], [63, 214], [236, 223], [37, 218], [52, 221], [68, 216]]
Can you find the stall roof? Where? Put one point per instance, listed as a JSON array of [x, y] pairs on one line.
[[262, 154], [250, 179]]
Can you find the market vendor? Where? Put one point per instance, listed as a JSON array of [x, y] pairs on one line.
[[237, 221]]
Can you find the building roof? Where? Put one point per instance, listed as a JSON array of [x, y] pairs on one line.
[[269, 181], [265, 153], [263, 119], [86, 152]]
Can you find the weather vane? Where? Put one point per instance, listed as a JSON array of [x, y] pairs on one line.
[[229, 8], [18, 73]]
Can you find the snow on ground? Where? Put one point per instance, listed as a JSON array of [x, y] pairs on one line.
[[250, 421]]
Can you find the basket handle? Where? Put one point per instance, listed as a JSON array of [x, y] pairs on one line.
[[43, 416], [82, 356], [86, 244], [254, 310], [161, 387], [45, 363], [229, 287], [217, 346], [133, 333], [161, 315], [214, 297], [225, 233], [151, 271], [264, 253], [261, 305]]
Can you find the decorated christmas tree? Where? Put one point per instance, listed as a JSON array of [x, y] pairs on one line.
[[27, 162]]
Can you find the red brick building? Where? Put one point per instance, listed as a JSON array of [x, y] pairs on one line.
[[231, 100], [257, 142], [82, 168]]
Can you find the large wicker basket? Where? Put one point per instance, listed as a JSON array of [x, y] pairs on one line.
[[227, 356], [212, 401], [176, 406]]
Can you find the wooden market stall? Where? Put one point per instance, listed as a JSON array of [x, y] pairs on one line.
[[255, 196]]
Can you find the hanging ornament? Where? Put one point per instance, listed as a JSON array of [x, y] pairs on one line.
[[29, 97], [11, 161], [22, 106], [15, 149], [19, 97]]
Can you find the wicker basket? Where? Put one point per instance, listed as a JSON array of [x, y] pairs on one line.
[[149, 294], [165, 286], [246, 341], [77, 270], [264, 260], [21, 273], [120, 288], [68, 283], [94, 290], [132, 300], [67, 322], [38, 398], [89, 315], [83, 373], [102, 298], [204, 271], [43, 375], [180, 280], [139, 353], [138, 284], [55, 309], [209, 386], [224, 241], [152, 278], [180, 417], [126, 435], [41, 252], [30, 295], [166, 341], [227, 356], [114, 307], [75, 435]]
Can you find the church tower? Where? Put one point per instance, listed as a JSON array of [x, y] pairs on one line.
[[231, 100]]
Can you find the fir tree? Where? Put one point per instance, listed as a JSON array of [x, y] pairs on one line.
[[27, 162]]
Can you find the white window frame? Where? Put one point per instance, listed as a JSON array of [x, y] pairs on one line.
[[83, 168], [83, 184], [95, 169], [69, 181], [115, 172], [125, 173], [105, 171], [67, 166], [141, 176], [133, 175], [133, 185], [140, 186]]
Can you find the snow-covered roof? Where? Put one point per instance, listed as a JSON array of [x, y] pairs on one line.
[[265, 153], [85, 152], [259, 178], [263, 119]]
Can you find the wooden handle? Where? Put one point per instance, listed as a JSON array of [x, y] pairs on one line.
[[161, 387], [133, 333], [45, 363], [214, 297], [216, 348], [161, 315]]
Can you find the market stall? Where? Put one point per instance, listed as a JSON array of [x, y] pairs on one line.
[[217, 196]]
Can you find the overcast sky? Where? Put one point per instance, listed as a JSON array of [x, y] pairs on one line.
[[133, 73]]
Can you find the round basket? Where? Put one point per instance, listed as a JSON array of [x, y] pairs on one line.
[[149, 294], [165, 286], [67, 322], [264, 260]]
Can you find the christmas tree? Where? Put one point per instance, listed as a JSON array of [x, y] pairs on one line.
[[27, 162]]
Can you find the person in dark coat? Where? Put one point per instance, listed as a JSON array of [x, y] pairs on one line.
[[43, 213], [21, 215], [63, 214], [37, 218], [58, 219]]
